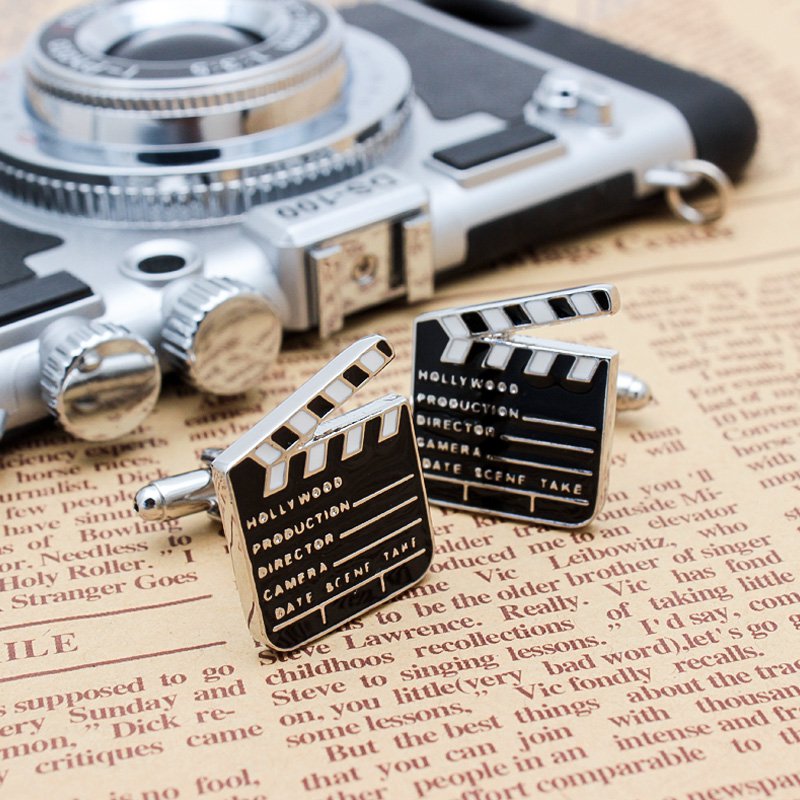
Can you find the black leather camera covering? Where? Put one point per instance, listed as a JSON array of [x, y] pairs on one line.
[[454, 77], [22, 293]]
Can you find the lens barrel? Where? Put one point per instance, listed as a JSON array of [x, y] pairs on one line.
[[170, 72], [157, 113]]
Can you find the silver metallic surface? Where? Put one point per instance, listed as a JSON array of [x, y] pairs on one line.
[[227, 171], [352, 272], [681, 175], [181, 249], [176, 496], [327, 272], [320, 243], [632, 392], [573, 99], [99, 381], [98, 256], [257, 210], [209, 454], [77, 85], [418, 251], [221, 335]]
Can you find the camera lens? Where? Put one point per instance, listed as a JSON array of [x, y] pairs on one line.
[[171, 72], [160, 113], [194, 41]]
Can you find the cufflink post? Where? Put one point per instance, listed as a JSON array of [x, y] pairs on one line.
[[632, 392], [177, 496]]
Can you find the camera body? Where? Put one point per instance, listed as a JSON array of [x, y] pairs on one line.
[[175, 193]]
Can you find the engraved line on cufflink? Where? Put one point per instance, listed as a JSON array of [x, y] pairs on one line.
[[516, 426], [325, 517]]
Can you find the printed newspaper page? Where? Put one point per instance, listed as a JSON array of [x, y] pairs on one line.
[[653, 654]]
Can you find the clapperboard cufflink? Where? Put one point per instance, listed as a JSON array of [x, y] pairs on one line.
[[326, 517], [515, 426]]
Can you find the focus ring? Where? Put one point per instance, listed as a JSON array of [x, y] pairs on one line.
[[174, 105]]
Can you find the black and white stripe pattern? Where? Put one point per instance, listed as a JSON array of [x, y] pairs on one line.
[[491, 323], [296, 422], [354, 440]]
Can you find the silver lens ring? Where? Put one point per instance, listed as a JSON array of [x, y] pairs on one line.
[[166, 187], [172, 72]]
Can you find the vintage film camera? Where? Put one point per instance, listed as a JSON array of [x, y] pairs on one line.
[[182, 182]]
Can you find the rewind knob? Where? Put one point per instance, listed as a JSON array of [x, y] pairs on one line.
[[222, 335], [99, 380]]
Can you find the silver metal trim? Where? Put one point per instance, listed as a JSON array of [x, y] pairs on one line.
[[236, 170], [76, 87], [326, 267], [418, 257], [680, 175]]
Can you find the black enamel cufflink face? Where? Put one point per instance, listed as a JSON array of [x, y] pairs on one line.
[[326, 517], [516, 426]]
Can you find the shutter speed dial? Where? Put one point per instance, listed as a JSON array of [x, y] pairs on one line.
[[100, 381], [222, 335]]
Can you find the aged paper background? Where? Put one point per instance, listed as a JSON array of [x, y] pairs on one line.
[[654, 655]]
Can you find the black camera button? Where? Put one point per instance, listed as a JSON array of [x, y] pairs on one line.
[[28, 298], [163, 264], [506, 142], [157, 262], [18, 244]]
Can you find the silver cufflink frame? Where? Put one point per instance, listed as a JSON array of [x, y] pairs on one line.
[[517, 426], [326, 516]]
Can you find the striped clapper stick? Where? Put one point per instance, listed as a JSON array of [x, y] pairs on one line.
[[511, 425], [325, 518]]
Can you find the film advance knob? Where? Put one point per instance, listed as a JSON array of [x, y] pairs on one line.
[[222, 334], [99, 380]]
